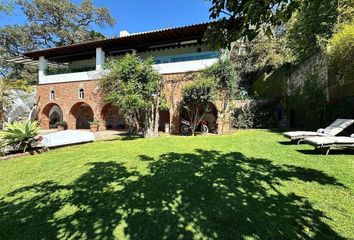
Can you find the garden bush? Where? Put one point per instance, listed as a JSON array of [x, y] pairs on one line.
[[253, 116], [21, 135], [341, 55], [243, 117], [62, 124]]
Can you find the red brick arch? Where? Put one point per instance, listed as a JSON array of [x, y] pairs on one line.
[[44, 115], [111, 117], [80, 114]]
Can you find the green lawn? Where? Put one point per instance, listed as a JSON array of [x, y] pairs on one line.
[[249, 185]]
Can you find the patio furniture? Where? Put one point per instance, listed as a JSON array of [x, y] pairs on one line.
[[326, 143], [332, 130]]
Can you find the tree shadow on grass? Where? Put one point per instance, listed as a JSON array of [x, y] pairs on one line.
[[206, 194], [342, 151]]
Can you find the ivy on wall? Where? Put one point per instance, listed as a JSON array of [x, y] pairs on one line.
[[306, 104]]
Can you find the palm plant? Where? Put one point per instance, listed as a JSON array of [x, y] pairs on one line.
[[21, 135]]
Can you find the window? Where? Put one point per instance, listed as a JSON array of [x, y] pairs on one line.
[[52, 95], [186, 57], [81, 93]]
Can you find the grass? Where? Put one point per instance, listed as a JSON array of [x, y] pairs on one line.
[[249, 185]]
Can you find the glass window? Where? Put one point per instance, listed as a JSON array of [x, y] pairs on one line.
[[186, 57], [52, 95], [81, 93]]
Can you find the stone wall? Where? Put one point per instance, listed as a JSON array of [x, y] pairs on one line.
[[173, 84], [298, 74]]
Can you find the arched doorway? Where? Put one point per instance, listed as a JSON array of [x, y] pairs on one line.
[[52, 114], [112, 118], [83, 115], [210, 117]]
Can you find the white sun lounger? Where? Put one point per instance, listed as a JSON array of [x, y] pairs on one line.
[[68, 137], [332, 130], [326, 143]]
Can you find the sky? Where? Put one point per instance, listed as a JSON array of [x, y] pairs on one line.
[[141, 15]]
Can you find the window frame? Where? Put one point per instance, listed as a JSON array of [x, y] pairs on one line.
[[52, 95], [81, 93]]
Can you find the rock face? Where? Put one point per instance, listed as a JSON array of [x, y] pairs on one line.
[[21, 107]]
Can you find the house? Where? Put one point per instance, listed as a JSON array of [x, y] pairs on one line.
[[68, 76]]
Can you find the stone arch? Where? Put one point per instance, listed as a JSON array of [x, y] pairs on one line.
[[111, 117], [80, 115], [51, 114]]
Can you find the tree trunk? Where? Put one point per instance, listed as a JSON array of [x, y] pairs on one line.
[[157, 116], [1, 100], [195, 121], [151, 122]]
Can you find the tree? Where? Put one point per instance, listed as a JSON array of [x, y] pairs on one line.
[[244, 19], [310, 27], [340, 54], [226, 83], [49, 23], [6, 6], [197, 97], [133, 85], [263, 54], [54, 23]]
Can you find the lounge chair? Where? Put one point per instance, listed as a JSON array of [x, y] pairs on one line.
[[326, 143], [332, 130]]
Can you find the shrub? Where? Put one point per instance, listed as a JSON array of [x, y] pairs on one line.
[[2, 147], [341, 55], [21, 135], [253, 116], [95, 122], [62, 124], [243, 117], [196, 98]]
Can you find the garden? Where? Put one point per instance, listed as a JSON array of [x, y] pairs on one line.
[[246, 183], [251, 184]]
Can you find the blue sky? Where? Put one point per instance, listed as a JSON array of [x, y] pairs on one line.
[[142, 15]]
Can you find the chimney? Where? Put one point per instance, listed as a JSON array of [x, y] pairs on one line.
[[123, 33]]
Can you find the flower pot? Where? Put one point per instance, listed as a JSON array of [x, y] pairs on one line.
[[94, 128], [61, 128]]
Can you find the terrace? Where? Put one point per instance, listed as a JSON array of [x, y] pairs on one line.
[[174, 50]]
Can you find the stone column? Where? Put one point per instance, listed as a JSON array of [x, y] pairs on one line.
[[43, 65], [100, 59]]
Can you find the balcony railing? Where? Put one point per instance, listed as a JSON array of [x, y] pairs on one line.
[[165, 65], [56, 71], [186, 57]]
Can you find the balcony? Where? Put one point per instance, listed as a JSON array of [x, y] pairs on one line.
[[164, 64], [72, 77], [186, 66]]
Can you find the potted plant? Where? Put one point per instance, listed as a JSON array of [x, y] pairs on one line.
[[62, 125], [94, 125]]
